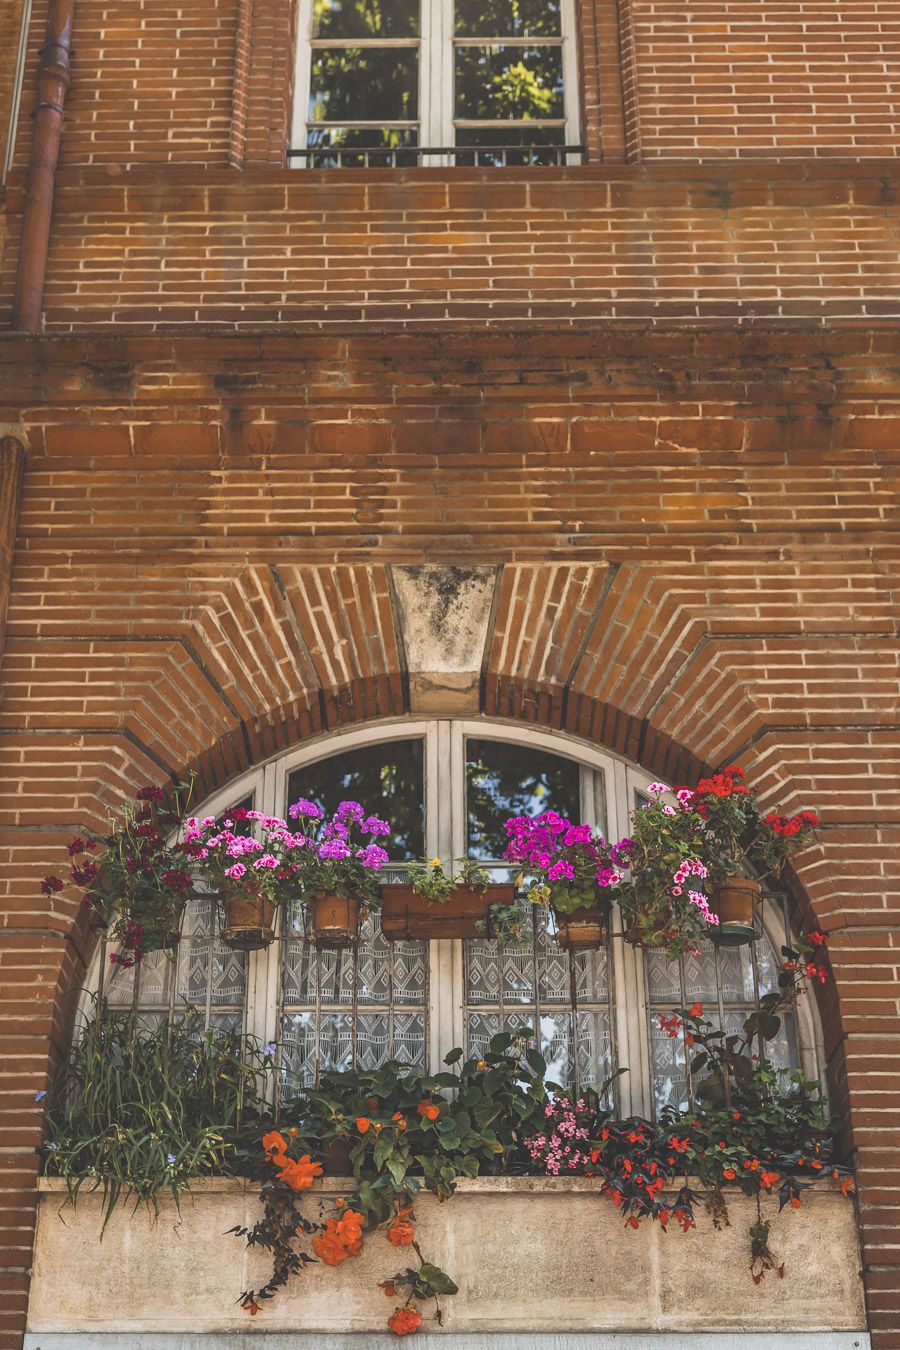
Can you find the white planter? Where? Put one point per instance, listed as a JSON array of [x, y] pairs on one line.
[[529, 1255]]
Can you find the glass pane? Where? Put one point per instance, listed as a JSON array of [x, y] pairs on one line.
[[516, 145], [362, 147], [513, 780], [364, 84], [365, 18], [513, 82], [508, 18], [387, 778]]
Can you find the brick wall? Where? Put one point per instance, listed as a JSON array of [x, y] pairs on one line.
[[151, 80], [724, 78], [697, 538], [716, 245], [160, 81]]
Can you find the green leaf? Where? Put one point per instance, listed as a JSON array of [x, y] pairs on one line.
[[437, 1280], [454, 1056]]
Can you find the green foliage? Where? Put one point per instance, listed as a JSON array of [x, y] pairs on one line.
[[429, 879], [510, 925], [135, 1111]]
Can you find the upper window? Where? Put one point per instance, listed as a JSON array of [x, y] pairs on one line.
[[447, 787], [403, 82]]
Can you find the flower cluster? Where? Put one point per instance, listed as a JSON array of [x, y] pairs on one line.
[[661, 890], [738, 834], [566, 862], [342, 856], [134, 880], [297, 1173], [281, 862], [341, 1238]]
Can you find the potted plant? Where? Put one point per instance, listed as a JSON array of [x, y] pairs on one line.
[[657, 875], [251, 876], [339, 866], [134, 880], [570, 871], [739, 839], [437, 904]]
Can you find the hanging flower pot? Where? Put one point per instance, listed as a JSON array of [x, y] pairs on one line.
[[408, 914], [585, 929], [160, 940], [334, 920], [734, 900], [249, 922]]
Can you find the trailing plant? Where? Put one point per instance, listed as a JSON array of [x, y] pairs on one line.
[[738, 836], [134, 880], [660, 870], [752, 1126], [134, 1110], [429, 879], [406, 1131]]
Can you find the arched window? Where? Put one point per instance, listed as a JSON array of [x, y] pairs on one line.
[[404, 82], [447, 786]]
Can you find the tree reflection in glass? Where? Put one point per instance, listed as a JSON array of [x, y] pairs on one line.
[[387, 779], [366, 19], [503, 779], [508, 18]]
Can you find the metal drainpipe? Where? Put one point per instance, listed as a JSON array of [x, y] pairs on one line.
[[52, 83]]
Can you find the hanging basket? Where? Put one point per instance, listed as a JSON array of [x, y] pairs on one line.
[[334, 920], [734, 901], [249, 922], [406, 914], [585, 929]]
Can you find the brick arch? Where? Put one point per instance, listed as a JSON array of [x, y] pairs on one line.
[[666, 666]]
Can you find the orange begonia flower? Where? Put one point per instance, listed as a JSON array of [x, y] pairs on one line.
[[429, 1110], [363, 1123], [404, 1321], [342, 1238], [767, 1180], [301, 1174], [273, 1143], [401, 1233], [399, 1120]]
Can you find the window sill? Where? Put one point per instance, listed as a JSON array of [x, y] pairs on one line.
[[529, 1254]]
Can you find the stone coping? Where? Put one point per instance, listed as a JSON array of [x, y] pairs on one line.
[[339, 1185]]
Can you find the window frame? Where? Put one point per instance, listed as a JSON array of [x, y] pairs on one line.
[[436, 45], [444, 765]]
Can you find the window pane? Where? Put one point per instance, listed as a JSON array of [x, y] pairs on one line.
[[726, 974], [365, 18], [508, 18], [517, 145], [362, 147], [514, 82], [513, 780], [387, 778], [364, 84]]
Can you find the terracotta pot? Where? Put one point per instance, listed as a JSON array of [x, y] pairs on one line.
[[405, 914], [334, 920], [733, 901], [249, 924], [336, 1158], [638, 938], [585, 929]]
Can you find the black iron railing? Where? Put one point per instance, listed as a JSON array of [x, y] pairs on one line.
[[415, 156]]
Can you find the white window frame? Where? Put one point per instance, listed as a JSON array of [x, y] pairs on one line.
[[436, 45]]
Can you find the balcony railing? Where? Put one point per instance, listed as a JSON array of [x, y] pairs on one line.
[[416, 156]]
